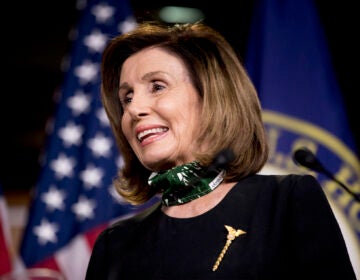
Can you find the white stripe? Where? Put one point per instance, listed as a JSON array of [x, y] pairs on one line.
[[73, 259], [5, 221]]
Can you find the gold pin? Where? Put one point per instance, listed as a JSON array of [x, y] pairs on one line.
[[232, 234]]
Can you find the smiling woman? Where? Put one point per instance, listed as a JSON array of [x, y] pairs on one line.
[[177, 97], [35, 49]]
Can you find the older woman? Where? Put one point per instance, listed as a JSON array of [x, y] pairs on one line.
[[187, 121]]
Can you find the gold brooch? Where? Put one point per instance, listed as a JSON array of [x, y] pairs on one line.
[[232, 234]]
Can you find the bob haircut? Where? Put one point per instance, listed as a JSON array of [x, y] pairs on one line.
[[231, 113]]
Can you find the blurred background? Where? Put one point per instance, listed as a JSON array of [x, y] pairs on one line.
[[36, 39], [37, 42]]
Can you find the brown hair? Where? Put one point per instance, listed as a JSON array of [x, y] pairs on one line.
[[231, 115]]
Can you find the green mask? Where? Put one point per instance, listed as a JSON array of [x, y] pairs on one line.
[[185, 183]]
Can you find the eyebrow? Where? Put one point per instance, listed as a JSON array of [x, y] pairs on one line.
[[147, 76], [150, 74], [124, 86]]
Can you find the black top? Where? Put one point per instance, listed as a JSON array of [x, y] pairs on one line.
[[291, 233]]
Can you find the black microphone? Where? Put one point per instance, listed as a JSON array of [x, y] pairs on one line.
[[222, 159], [306, 158]]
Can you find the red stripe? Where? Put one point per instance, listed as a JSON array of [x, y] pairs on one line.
[[5, 247], [5, 258], [92, 234], [49, 263]]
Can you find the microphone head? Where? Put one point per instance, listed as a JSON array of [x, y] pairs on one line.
[[223, 158], [306, 158]]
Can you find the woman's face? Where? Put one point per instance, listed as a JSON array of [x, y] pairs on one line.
[[161, 109]]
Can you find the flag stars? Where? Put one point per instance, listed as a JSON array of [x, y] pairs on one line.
[[103, 12], [101, 115], [100, 145], [96, 41], [79, 103], [120, 162], [91, 176], [46, 232], [71, 134], [87, 71], [53, 198], [74, 195], [63, 166], [127, 25], [84, 208]]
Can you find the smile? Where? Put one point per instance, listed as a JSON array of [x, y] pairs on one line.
[[149, 132]]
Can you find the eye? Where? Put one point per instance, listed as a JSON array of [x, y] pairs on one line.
[[126, 98], [156, 86]]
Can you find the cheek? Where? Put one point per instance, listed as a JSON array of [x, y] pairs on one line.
[[125, 126], [193, 110]]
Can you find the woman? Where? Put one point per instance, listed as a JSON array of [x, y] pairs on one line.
[[187, 121]]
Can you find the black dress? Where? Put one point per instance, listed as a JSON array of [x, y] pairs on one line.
[[291, 233]]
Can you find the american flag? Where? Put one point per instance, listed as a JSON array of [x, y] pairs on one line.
[[74, 198], [6, 244]]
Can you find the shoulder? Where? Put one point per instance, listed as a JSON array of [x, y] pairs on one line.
[[116, 241], [286, 182], [137, 218], [298, 198], [126, 227], [283, 187], [302, 192], [300, 186], [286, 179]]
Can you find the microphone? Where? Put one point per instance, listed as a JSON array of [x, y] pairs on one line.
[[222, 159], [306, 158]]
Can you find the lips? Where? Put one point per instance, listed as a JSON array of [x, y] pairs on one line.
[[150, 132]]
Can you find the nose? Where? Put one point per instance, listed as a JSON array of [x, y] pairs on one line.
[[139, 106]]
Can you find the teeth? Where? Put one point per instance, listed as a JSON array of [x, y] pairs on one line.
[[144, 133]]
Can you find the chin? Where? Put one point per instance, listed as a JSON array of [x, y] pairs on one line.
[[158, 165]]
